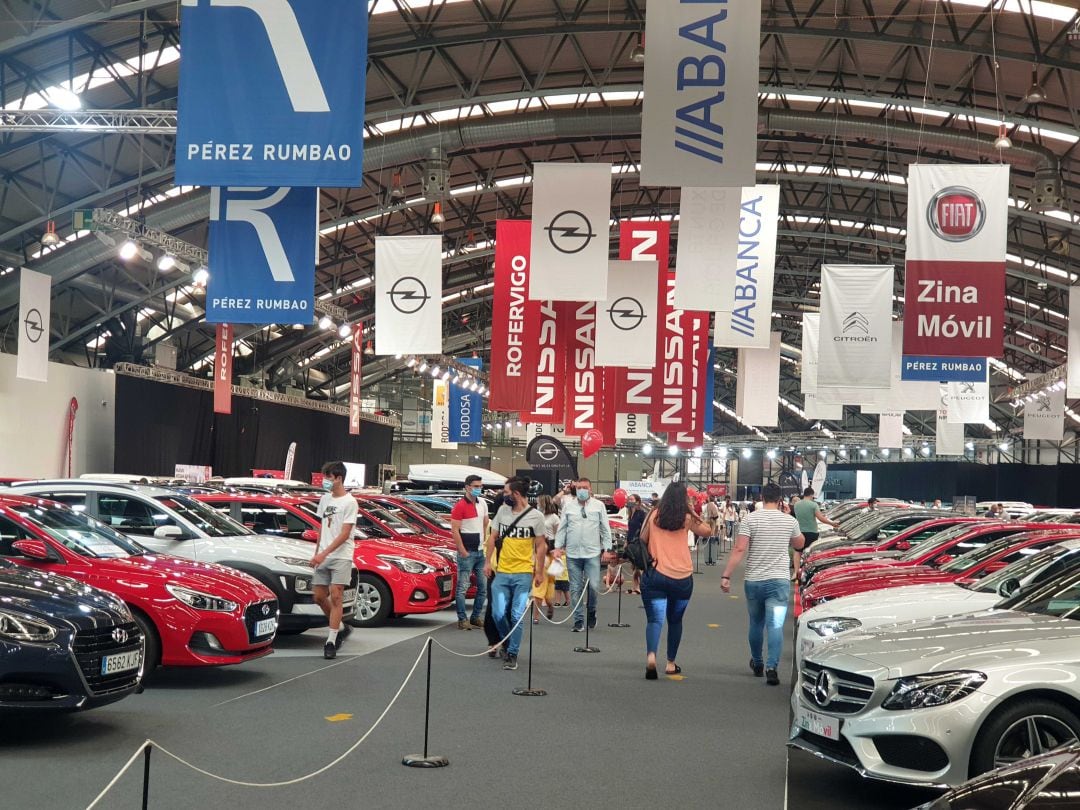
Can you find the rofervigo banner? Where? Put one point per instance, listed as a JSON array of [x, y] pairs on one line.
[[355, 377], [408, 294], [855, 340], [954, 289], [699, 124], [223, 353], [547, 401], [515, 322], [644, 241]]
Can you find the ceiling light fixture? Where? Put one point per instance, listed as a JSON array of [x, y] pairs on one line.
[[423, 367], [166, 263], [637, 53], [1035, 93], [325, 322], [63, 98], [344, 330], [646, 449], [437, 217], [1003, 141], [200, 277], [128, 250], [397, 188], [50, 237], [747, 452]]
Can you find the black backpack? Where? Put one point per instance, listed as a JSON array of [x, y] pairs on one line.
[[637, 553]]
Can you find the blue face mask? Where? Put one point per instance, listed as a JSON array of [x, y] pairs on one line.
[[583, 495], [328, 484], [476, 492]]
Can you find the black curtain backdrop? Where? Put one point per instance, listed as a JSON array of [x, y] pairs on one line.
[[160, 425]]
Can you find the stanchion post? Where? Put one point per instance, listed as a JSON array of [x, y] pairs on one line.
[[146, 776], [588, 648], [529, 691], [427, 760], [697, 556], [618, 618]]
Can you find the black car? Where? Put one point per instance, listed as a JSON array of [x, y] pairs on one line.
[[63, 644], [1048, 781]]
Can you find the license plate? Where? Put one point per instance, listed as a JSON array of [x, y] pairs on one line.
[[819, 724], [349, 596], [265, 627], [444, 586], [121, 662]]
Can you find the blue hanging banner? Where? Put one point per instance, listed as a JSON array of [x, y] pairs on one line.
[[272, 92], [262, 255], [710, 392], [466, 409], [919, 368]]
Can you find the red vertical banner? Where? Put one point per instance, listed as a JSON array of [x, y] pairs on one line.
[[692, 435], [547, 400], [641, 241], [608, 402], [223, 354], [515, 322], [584, 381], [354, 380]]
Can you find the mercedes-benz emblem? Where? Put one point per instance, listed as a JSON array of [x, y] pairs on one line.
[[119, 635], [266, 610], [408, 295], [33, 326], [824, 688], [547, 451], [570, 232], [626, 313]]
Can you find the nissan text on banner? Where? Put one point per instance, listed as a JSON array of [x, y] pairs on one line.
[[223, 355], [466, 409], [408, 294], [548, 398], [356, 367], [35, 308], [673, 387], [1044, 416], [274, 95], [699, 121], [571, 212], [954, 289], [708, 243], [440, 416], [515, 322], [757, 392], [626, 321], [692, 432], [855, 341], [262, 255], [584, 381]]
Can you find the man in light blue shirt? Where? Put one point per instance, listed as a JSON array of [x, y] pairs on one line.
[[584, 534]]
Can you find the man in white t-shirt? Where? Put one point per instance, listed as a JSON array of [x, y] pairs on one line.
[[333, 560]]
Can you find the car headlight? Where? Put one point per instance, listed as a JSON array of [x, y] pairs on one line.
[[406, 565], [448, 553], [295, 561], [19, 628], [302, 585], [832, 625], [924, 691], [201, 601]]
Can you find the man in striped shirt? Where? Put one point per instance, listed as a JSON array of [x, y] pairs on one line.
[[764, 538]]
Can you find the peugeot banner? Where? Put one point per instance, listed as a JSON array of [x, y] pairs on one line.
[[571, 212], [466, 409], [584, 381], [440, 416], [1044, 417], [408, 294], [290, 75], [855, 348], [699, 123], [35, 312], [967, 403], [355, 376], [954, 289], [626, 321], [548, 398], [263, 250], [548, 453], [515, 322], [644, 241], [757, 394], [708, 243], [223, 356]]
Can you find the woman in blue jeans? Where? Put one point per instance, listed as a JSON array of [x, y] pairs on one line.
[[667, 586]]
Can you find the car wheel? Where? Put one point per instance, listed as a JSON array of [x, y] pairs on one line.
[[151, 642], [1021, 730], [374, 602]]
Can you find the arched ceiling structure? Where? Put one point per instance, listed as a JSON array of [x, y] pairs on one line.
[[851, 92]]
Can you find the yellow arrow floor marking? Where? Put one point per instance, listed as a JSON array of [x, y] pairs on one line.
[[675, 677], [712, 626], [337, 718]]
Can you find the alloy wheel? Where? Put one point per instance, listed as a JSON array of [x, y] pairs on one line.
[[1029, 736]]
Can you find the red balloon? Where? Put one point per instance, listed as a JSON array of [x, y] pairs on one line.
[[618, 497], [591, 442]]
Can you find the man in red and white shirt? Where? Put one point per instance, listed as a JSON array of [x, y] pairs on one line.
[[469, 527]]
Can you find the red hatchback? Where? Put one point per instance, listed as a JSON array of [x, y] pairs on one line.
[[191, 613], [395, 578]]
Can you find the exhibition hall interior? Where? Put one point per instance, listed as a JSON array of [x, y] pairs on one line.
[[607, 403]]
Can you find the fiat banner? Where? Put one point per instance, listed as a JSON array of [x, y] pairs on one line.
[[626, 321], [583, 380], [757, 395], [644, 241], [408, 294], [515, 322], [954, 291], [855, 342], [548, 397], [355, 372], [223, 354]]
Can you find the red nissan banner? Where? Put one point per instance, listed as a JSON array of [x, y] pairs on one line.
[[640, 241], [355, 371], [223, 354], [698, 330], [548, 397], [515, 323], [584, 381]]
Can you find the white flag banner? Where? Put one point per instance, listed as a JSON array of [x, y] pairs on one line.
[[1073, 359], [855, 340], [821, 473], [699, 123], [744, 319], [35, 295], [949, 439], [571, 214], [1044, 417], [708, 244], [631, 426], [891, 430], [815, 406], [757, 393], [408, 294], [440, 416], [967, 403], [534, 429], [814, 409], [626, 323]]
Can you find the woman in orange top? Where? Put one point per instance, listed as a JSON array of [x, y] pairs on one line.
[[667, 586]]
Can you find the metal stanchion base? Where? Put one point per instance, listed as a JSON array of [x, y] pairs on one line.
[[587, 649], [529, 692], [618, 624], [420, 761]]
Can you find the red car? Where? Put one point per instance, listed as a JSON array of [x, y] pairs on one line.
[[395, 578], [415, 514], [191, 613]]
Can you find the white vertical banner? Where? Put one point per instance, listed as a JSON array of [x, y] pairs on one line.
[[757, 393], [626, 322], [631, 426], [408, 294], [814, 407], [891, 430], [35, 299], [967, 403], [571, 214], [707, 246], [1073, 359], [949, 438], [855, 348], [699, 122], [1044, 417], [744, 318], [440, 416]]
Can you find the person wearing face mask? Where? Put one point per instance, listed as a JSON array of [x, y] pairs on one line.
[[468, 524], [333, 560], [584, 535]]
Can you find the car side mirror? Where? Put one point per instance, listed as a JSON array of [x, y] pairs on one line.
[[32, 549], [903, 545], [1009, 587], [311, 535], [169, 533]]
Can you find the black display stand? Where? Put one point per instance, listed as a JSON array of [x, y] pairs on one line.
[[427, 760], [618, 616], [528, 691]]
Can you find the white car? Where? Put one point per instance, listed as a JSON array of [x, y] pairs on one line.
[[168, 522], [936, 702]]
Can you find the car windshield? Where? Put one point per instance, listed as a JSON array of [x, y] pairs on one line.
[[937, 541], [78, 533], [207, 520], [1021, 570], [393, 523], [435, 505], [965, 562], [1059, 598], [404, 515], [427, 514]]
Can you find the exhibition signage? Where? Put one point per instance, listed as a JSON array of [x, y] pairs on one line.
[[35, 312], [626, 321], [757, 393], [1072, 379], [855, 339], [1044, 417], [223, 355], [466, 409], [546, 452], [440, 416], [967, 403], [954, 291], [408, 294], [263, 251], [814, 407], [355, 377], [533, 429], [891, 430], [271, 93], [644, 241], [708, 243], [943, 369], [290, 460], [571, 212], [192, 473], [949, 438], [699, 122], [673, 378], [692, 433], [909, 395], [584, 383], [515, 322], [631, 426], [710, 392], [548, 397]]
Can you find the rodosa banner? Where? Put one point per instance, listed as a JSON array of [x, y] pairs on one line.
[[515, 322]]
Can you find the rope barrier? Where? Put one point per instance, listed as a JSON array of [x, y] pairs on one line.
[[496, 645]]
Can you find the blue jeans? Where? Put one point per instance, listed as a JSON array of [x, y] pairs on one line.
[[579, 569], [509, 598], [767, 603], [664, 597], [473, 561]]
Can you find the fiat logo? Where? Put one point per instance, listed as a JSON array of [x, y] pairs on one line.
[[119, 635], [956, 214]]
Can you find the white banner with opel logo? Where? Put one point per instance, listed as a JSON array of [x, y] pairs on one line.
[[967, 403], [707, 245], [408, 294], [757, 394], [855, 349], [626, 321], [699, 123], [571, 221], [1044, 417], [35, 292]]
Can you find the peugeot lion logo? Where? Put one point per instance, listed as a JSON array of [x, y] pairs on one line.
[[570, 232], [967, 388], [119, 635], [32, 325], [626, 313], [408, 295], [1044, 405], [547, 451], [824, 688], [856, 321]]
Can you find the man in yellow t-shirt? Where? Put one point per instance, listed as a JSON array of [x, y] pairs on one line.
[[516, 553]]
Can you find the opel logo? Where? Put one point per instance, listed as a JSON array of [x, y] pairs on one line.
[[119, 635], [626, 313], [856, 321], [570, 232], [824, 688], [32, 326], [266, 610], [408, 295], [547, 451]]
